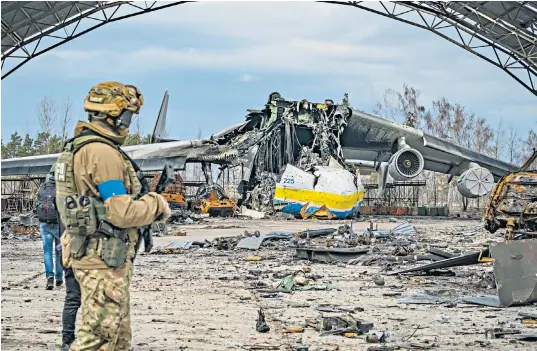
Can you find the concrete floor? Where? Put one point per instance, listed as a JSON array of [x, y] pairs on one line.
[[201, 299]]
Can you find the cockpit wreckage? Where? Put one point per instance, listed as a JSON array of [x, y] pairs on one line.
[[304, 158]]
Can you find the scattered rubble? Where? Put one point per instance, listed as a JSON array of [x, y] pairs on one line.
[[307, 293], [23, 224]]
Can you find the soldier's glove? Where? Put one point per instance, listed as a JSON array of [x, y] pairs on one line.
[[163, 209]]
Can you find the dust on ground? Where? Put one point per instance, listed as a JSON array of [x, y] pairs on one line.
[[202, 299]]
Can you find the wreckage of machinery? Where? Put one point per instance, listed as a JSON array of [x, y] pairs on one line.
[[303, 158]]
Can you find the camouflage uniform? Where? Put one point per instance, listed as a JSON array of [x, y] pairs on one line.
[[106, 311], [105, 290]]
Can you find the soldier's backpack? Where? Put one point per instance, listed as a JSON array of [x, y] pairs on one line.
[[46, 202]]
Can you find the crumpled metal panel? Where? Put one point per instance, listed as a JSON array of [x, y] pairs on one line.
[[527, 337], [255, 242], [428, 298], [489, 300], [29, 220], [515, 271], [404, 229], [329, 255]]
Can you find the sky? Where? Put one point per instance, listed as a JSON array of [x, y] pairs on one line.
[[219, 59]]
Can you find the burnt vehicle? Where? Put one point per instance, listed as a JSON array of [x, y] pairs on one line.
[[513, 202]]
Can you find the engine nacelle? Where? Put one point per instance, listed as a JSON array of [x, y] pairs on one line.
[[475, 182], [405, 164]]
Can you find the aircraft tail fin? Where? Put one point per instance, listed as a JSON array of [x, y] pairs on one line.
[[159, 132]]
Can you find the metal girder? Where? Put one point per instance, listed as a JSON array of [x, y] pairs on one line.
[[503, 33], [31, 28]]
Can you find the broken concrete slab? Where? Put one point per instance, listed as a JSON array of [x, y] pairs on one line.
[[251, 243]]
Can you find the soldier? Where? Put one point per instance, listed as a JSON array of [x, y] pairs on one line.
[[99, 203]]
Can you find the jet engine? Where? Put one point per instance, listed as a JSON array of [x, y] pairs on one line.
[[405, 164], [475, 182]]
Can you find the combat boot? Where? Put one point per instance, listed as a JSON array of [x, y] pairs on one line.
[[50, 283]]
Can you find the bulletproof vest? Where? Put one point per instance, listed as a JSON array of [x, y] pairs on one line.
[[81, 214], [46, 206]]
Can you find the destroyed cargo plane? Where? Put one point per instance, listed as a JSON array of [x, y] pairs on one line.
[[303, 158]]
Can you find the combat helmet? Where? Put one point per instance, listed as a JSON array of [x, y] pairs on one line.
[[114, 102]]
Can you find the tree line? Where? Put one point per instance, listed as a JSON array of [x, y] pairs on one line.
[[55, 128], [452, 122]]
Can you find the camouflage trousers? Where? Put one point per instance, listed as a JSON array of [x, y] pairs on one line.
[[106, 323]]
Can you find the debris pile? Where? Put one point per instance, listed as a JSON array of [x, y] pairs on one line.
[[291, 149], [23, 224], [183, 216]]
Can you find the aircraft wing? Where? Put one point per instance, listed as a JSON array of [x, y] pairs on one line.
[[150, 157], [371, 138]]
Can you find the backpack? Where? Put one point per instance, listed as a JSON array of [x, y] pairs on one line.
[[46, 202]]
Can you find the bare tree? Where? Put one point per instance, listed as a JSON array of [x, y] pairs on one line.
[[402, 107], [65, 119], [46, 113], [440, 122], [458, 126], [390, 106], [529, 145], [482, 136], [413, 112], [513, 145], [136, 121], [498, 142]]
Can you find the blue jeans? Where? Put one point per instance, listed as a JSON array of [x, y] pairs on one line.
[[50, 236]]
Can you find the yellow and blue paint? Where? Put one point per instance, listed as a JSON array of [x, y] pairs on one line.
[[340, 206]]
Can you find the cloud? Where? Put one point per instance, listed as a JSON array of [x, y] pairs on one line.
[[262, 21], [336, 47], [338, 63], [245, 78]]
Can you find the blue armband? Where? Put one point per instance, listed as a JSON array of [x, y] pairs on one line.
[[111, 188]]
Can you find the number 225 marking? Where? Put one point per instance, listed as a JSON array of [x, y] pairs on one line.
[[288, 181]]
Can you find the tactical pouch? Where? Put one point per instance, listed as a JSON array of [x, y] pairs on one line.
[[78, 246], [114, 246], [81, 218]]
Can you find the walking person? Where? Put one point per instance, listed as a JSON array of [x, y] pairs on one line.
[[48, 224]]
